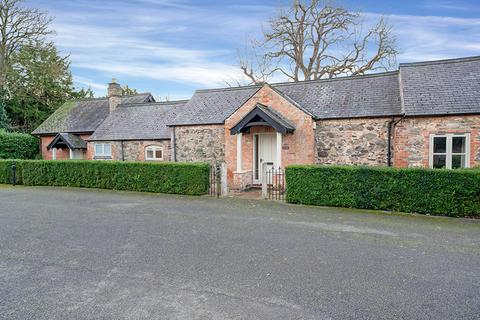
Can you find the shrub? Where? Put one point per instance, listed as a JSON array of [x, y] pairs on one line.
[[179, 178], [18, 146], [428, 191], [6, 171]]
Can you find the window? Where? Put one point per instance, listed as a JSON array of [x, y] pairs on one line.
[[103, 150], [450, 151], [153, 153]]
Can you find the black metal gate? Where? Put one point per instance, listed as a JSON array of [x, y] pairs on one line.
[[276, 188], [215, 182]]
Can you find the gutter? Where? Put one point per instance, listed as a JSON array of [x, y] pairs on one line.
[[123, 151], [391, 126]]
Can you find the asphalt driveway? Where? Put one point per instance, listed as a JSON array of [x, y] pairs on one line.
[[89, 254]]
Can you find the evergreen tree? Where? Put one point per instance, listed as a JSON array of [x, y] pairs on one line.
[[39, 81]]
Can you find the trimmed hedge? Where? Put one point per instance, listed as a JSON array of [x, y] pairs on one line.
[[454, 193], [5, 169], [18, 146], [179, 178]]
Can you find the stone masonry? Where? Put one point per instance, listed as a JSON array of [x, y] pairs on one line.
[[200, 143], [132, 150], [352, 141], [412, 138]]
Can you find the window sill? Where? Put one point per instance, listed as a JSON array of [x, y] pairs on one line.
[[102, 158]]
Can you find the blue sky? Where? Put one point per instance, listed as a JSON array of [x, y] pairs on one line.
[[172, 47]]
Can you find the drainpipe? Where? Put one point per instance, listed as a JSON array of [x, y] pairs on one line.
[[391, 126], [174, 145], [123, 152]]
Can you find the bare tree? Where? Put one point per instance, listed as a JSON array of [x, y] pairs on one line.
[[317, 39], [19, 26]]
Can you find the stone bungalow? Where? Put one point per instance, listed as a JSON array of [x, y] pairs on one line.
[[425, 114]]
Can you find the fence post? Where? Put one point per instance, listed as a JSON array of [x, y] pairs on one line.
[[14, 174], [223, 175], [218, 181], [264, 182]]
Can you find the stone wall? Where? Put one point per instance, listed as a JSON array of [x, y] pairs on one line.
[[412, 138], [200, 143], [352, 141], [132, 150]]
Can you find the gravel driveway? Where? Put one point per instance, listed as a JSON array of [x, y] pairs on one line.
[[89, 254]]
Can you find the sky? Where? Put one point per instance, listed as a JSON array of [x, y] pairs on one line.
[[173, 47]]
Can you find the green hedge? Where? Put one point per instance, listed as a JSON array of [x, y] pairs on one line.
[[179, 178], [5, 169], [439, 192], [18, 146]]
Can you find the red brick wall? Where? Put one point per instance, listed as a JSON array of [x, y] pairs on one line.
[[297, 148], [62, 154], [412, 138]]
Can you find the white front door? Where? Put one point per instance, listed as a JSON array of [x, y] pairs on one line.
[[265, 154]]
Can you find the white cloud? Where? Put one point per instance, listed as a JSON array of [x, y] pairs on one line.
[[195, 45], [157, 44], [433, 37]]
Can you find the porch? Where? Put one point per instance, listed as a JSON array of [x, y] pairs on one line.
[[67, 146], [259, 146]]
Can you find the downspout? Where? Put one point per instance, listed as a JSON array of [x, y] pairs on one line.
[[391, 126], [123, 152], [174, 145]]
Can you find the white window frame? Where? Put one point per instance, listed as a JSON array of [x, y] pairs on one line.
[[154, 149], [103, 154], [449, 153]]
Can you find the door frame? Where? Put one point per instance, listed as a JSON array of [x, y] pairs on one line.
[[255, 159]]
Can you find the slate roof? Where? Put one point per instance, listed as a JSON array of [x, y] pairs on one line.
[[83, 115], [147, 121], [214, 106], [427, 88], [441, 87], [347, 97], [417, 89], [71, 140]]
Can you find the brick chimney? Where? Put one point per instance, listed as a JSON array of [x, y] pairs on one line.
[[114, 95]]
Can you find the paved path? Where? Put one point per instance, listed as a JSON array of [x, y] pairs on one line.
[[85, 254]]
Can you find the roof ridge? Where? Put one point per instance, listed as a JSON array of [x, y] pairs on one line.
[[441, 61], [156, 103], [87, 99], [105, 98], [378, 74], [356, 77], [230, 88], [137, 94]]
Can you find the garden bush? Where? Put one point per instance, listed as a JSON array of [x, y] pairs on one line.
[[428, 191], [18, 146], [179, 178], [6, 171]]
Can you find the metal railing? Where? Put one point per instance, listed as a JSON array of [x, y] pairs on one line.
[[274, 184], [215, 181]]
